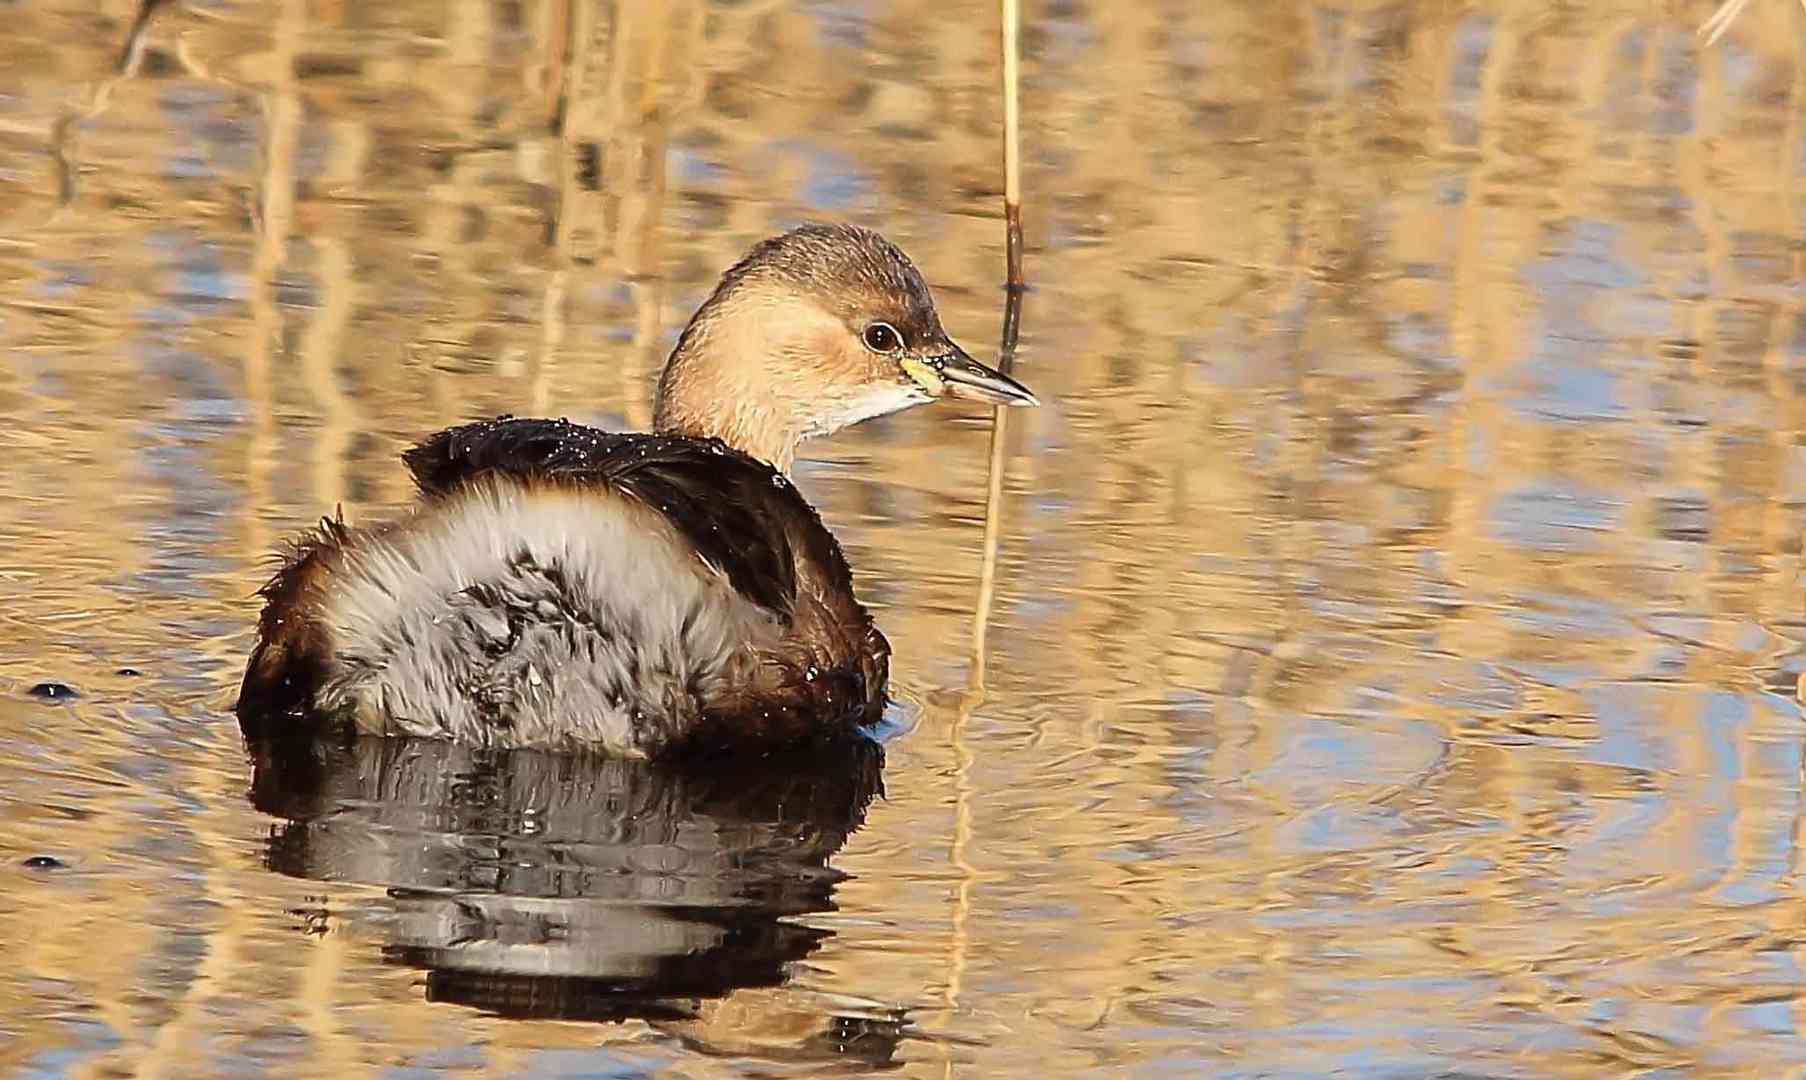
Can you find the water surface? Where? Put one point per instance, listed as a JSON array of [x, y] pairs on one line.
[[1393, 666]]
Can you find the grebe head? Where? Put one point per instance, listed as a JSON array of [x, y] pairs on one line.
[[811, 331]]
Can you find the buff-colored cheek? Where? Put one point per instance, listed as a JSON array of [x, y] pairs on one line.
[[926, 377]]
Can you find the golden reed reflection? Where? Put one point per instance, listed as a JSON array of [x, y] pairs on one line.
[[1396, 621]]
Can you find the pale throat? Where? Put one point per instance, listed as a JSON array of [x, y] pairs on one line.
[[770, 428], [864, 403]]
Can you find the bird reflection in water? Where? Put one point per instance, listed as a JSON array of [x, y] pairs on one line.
[[537, 885]]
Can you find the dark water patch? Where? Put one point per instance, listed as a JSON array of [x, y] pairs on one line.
[[53, 691]]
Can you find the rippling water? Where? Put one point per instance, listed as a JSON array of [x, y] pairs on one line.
[[1393, 667]]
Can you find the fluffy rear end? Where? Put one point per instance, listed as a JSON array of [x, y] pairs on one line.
[[511, 614], [292, 656]]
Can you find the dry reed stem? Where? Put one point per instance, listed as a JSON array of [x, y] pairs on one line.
[[987, 577], [1721, 20], [1012, 185]]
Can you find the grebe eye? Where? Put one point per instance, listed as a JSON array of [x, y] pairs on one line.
[[882, 337]]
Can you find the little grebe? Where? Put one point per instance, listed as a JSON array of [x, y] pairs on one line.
[[560, 586]]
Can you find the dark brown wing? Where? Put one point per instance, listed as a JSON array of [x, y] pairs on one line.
[[740, 514]]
